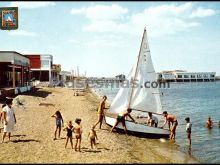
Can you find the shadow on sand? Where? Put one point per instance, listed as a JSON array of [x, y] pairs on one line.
[[18, 135], [23, 141], [37, 92]]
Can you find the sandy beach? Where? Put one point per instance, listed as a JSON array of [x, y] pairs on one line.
[[32, 141]]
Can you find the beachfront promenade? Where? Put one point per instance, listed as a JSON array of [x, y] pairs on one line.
[[32, 141]]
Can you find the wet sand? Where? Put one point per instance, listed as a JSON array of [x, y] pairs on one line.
[[32, 141]]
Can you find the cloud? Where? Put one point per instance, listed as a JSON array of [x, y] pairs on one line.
[[101, 12], [31, 5], [21, 33], [160, 20], [200, 12], [74, 41]]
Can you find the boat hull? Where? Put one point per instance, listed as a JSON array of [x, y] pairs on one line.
[[140, 130]]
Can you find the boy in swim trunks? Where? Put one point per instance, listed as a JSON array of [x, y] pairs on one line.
[[170, 119], [78, 134], [209, 123], [188, 129], [92, 136], [121, 118]]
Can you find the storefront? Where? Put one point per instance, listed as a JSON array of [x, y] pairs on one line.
[[14, 72]]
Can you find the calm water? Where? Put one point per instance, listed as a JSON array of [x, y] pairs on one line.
[[197, 101]]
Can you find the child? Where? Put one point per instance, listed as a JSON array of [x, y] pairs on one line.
[[188, 129], [59, 119], [69, 134], [209, 123], [8, 118], [93, 136], [78, 133]]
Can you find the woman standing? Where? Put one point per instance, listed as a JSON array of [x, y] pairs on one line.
[[8, 118]]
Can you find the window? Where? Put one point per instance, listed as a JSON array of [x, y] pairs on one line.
[[199, 76], [45, 64], [179, 76], [212, 75], [193, 76], [186, 76]]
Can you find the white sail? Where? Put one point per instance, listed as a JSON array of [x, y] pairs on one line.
[[140, 98], [120, 102]]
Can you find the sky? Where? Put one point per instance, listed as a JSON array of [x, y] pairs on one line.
[[103, 38]]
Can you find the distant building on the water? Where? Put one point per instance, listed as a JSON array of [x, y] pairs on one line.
[[184, 76], [120, 77]]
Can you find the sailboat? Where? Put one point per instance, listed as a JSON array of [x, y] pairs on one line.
[[139, 98]]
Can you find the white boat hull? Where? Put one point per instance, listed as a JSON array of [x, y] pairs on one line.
[[139, 129]]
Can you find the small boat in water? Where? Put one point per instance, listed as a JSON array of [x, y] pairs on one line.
[[139, 98]]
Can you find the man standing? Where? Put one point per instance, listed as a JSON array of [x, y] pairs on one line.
[[170, 119], [8, 118], [101, 112]]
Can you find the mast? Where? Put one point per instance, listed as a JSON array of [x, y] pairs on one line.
[[132, 90]]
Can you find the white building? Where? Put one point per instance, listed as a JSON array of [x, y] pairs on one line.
[[184, 76]]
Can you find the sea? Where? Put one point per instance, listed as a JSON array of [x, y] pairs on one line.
[[197, 100]]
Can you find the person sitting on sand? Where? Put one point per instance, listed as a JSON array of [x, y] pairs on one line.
[[209, 123], [121, 118], [69, 135], [101, 114], [9, 118], [78, 134], [152, 120], [92, 136], [59, 122], [170, 119]]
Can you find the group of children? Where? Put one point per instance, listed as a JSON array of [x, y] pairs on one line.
[[77, 129]]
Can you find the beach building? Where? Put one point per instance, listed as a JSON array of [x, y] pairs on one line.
[[41, 67], [14, 73], [56, 69], [66, 76], [184, 76]]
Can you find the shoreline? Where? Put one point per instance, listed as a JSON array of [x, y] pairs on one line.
[[181, 154], [32, 141]]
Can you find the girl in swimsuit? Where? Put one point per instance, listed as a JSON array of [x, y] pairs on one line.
[[69, 130], [78, 133], [59, 121], [92, 136]]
